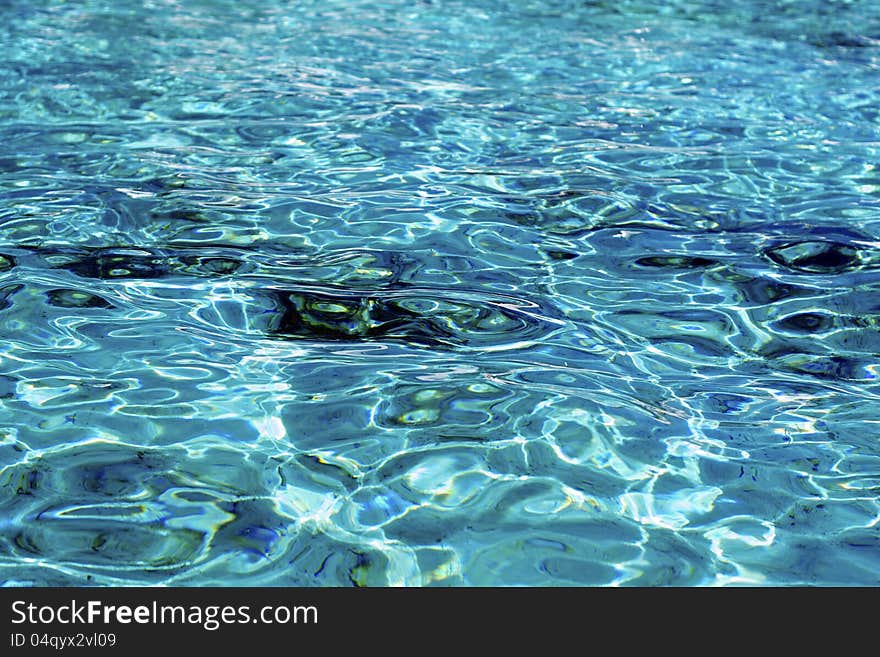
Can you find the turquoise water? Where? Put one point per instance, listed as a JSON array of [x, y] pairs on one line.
[[340, 292]]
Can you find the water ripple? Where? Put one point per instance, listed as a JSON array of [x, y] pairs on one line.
[[374, 293]]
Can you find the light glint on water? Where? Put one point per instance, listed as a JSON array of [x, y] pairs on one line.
[[439, 293]]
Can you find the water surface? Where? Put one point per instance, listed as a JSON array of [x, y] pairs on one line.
[[338, 292]]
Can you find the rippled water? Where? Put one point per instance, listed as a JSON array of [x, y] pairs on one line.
[[341, 292]]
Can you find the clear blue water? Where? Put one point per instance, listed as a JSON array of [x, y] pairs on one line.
[[348, 292]]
